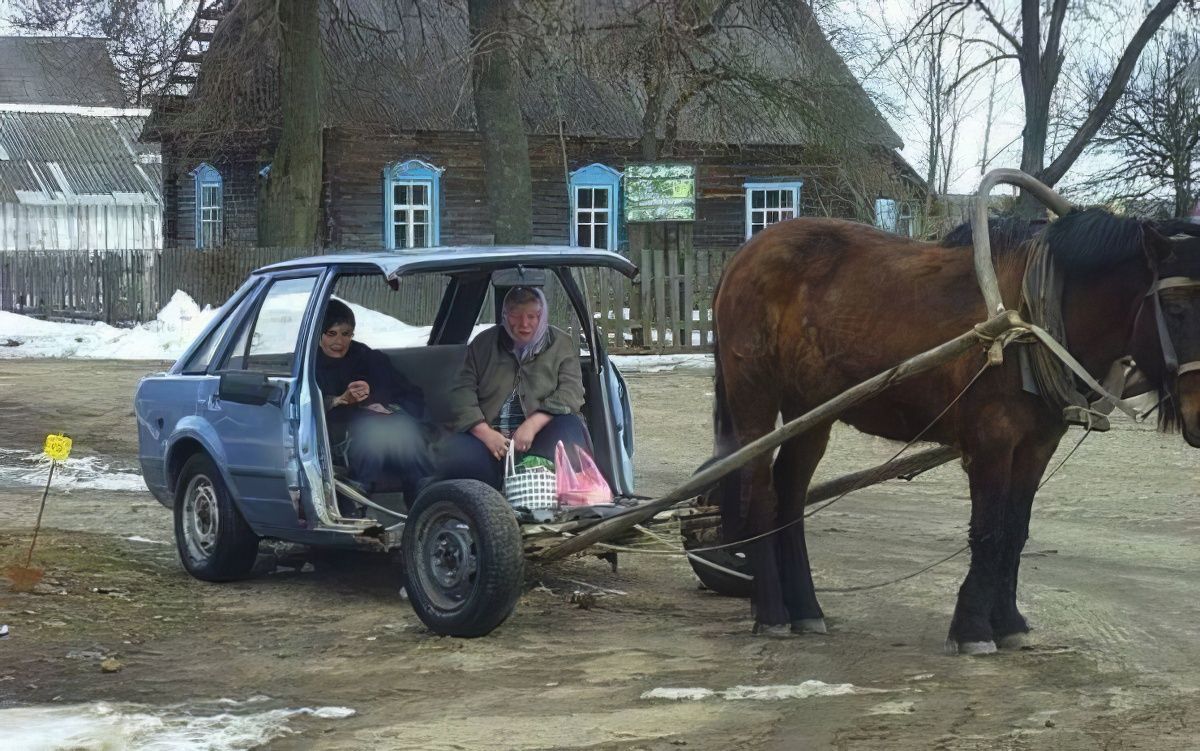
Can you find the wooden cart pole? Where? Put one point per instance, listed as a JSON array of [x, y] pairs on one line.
[[708, 476]]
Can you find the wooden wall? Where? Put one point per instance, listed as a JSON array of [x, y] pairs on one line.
[[353, 193]]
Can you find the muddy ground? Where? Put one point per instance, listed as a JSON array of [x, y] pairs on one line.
[[1109, 580]]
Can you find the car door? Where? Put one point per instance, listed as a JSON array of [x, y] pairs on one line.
[[258, 440]]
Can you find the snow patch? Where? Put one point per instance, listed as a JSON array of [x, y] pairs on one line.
[[176, 326], [165, 338], [212, 726], [805, 690], [663, 363], [25, 468]]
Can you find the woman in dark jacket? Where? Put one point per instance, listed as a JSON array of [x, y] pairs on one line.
[[521, 383], [372, 412]]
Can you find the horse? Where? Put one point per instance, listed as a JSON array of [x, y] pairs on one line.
[[811, 306]]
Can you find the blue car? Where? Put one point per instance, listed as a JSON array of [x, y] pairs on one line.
[[233, 438]]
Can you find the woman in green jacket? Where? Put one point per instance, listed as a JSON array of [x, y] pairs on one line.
[[521, 384]]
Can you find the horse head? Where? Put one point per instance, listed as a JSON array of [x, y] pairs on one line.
[[1166, 337], [1167, 331]]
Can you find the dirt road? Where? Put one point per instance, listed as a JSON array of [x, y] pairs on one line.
[[1109, 579]]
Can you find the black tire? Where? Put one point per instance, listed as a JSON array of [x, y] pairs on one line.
[[214, 542], [464, 565], [703, 531]]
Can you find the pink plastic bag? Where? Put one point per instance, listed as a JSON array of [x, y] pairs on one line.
[[587, 487]]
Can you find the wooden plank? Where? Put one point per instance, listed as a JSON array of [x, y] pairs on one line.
[[662, 264], [689, 273], [819, 415], [646, 299]]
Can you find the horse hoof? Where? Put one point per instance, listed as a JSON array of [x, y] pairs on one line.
[[970, 647], [779, 631], [809, 626]]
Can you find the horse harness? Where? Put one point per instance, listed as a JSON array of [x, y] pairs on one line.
[[1049, 371]]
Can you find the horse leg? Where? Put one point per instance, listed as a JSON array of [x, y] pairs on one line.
[[749, 510], [989, 471], [1029, 464], [793, 470]]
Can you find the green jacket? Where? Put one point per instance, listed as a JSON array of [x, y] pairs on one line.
[[551, 381]]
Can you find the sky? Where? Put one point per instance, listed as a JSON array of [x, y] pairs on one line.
[[1097, 39]]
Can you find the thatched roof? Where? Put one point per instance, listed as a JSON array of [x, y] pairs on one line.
[[403, 65], [58, 70]]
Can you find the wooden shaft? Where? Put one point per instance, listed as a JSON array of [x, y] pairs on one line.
[[985, 271], [826, 412], [914, 464]]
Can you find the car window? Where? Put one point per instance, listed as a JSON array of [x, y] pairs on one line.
[[198, 363], [268, 340], [387, 318]]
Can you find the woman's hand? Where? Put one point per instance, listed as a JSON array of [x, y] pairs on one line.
[[376, 407], [497, 444], [355, 393], [524, 435]]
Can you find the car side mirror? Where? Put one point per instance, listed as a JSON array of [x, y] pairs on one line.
[[247, 387]]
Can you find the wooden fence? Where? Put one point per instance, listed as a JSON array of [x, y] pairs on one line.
[[667, 309]]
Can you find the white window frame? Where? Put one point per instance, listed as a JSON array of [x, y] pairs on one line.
[[593, 177], [210, 214], [412, 173], [892, 214], [791, 188]]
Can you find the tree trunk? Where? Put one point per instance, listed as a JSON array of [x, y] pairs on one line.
[[495, 88], [290, 210]]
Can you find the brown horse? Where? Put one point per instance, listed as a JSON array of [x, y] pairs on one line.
[[810, 307]]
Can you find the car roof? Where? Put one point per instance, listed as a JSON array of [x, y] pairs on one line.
[[453, 259]]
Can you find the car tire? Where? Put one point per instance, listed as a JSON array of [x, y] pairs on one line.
[[214, 542], [702, 531], [464, 566]]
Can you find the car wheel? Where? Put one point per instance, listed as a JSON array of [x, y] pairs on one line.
[[464, 566], [702, 531], [215, 544]]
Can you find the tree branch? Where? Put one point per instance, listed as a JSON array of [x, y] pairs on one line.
[[1112, 92]]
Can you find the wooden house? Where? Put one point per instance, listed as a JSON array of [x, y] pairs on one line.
[[73, 174], [402, 163]]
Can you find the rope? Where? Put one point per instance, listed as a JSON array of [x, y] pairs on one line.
[[822, 507], [898, 579], [1070, 453]]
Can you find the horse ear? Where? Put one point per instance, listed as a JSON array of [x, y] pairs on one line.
[[1159, 247]]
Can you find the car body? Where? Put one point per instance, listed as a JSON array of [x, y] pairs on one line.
[[241, 408]]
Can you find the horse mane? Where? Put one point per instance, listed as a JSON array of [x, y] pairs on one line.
[[1005, 232], [1081, 241]]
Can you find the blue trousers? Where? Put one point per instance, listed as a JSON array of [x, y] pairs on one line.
[[387, 451], [462, 456]]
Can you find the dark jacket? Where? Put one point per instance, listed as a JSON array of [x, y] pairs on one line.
[[361, 363], [551, 381]]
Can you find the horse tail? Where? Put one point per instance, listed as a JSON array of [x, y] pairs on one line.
[[727, 492], [724, 441]]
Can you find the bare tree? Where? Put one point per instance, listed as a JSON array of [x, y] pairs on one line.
[[1154, 131], [290, 208], [1033, 37], [495, 91], [142, 35]]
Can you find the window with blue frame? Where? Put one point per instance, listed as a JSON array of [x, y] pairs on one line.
[[210, 206], [595, 201], [771, 202], [895, 216], [412, 205]]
